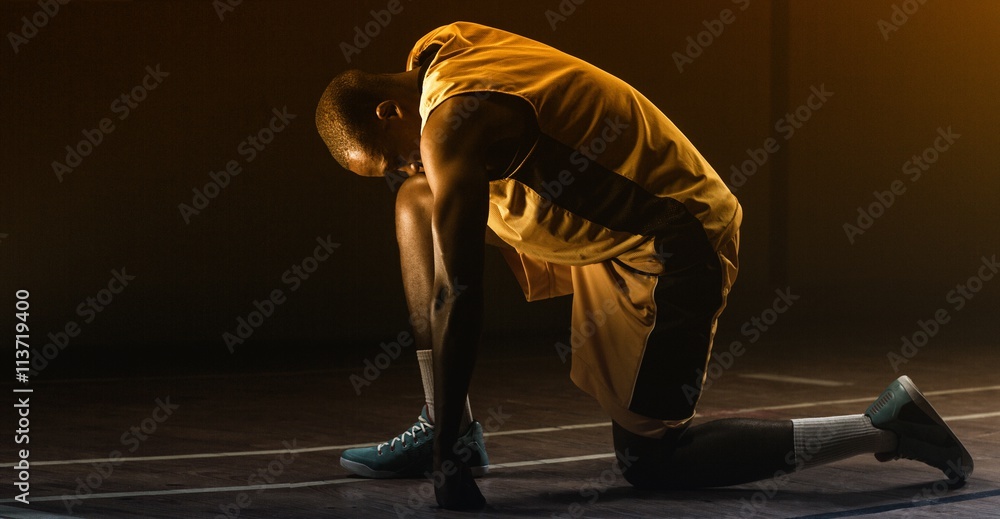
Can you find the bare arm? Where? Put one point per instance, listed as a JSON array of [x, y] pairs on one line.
[[455, 164]]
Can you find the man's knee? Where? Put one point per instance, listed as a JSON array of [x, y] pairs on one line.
[[638, 457], [414, 203], [645, 462], [641, 475]]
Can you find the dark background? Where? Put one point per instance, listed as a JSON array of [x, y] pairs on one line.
[[119, 208]]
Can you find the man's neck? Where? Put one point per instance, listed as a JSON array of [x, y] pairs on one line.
[[410, 81]]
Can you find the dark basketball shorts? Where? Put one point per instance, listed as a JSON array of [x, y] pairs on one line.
[[640, 343]]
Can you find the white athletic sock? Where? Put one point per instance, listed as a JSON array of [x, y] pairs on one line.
[[824, 440], [424, 358]]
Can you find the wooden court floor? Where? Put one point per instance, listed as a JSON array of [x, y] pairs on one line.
[[265, 443]]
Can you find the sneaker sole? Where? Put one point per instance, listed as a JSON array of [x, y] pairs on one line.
[[918, 399], [365, 471]]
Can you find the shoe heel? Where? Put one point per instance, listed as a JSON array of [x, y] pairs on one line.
[[880, 403]]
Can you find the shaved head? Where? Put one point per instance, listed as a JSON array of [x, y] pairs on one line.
[[345, 116]]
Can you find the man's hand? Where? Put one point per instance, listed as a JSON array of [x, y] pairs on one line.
[[454, 487]]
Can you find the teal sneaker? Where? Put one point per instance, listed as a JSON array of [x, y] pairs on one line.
[[923, 435], [411, 454]]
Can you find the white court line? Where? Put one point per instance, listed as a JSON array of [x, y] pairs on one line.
[[974, 416], [548, 429], [855, 400], [503, 433], [207, 490], [8, 512], [296, 451], [550, 461], [340, 481], [795, 380], [200, 455], [304, 484]]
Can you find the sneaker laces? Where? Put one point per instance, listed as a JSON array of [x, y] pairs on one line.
[[422, 426]]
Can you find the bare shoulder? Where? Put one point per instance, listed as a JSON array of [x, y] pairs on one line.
[[466, 127]]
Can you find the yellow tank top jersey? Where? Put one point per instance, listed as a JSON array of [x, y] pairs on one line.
[[610, 177]]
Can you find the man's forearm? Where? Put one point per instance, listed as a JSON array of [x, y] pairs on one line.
[[457, 322]]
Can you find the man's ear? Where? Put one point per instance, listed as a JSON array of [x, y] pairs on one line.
[[387, 109]]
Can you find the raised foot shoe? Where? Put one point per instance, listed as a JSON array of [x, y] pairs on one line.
[[411, 454], [923, 435]]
